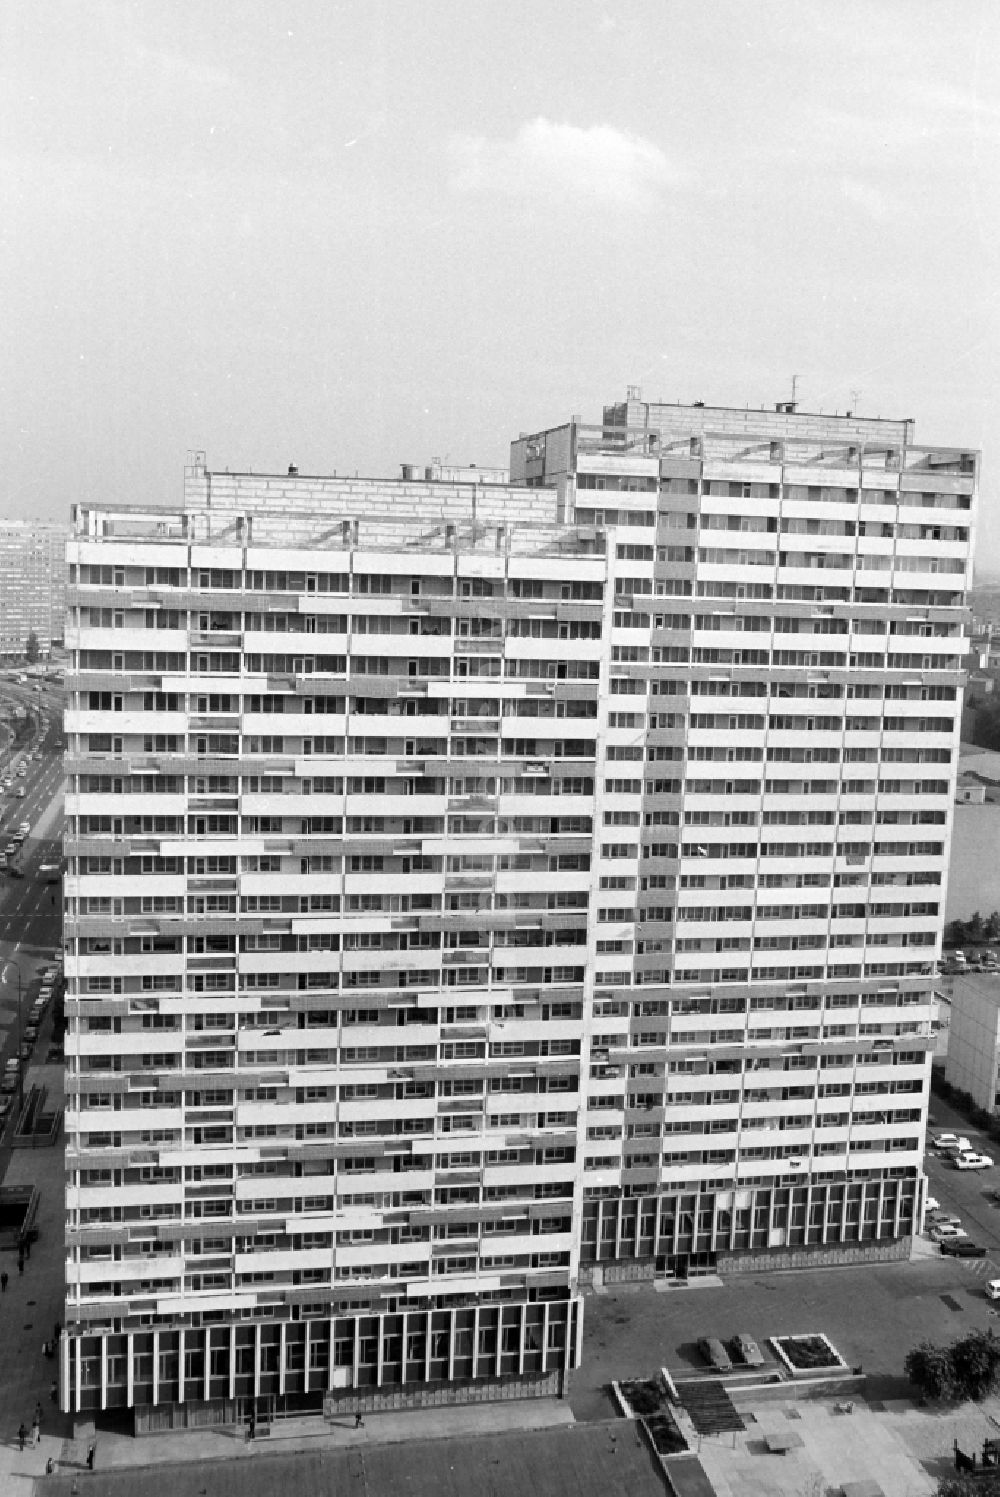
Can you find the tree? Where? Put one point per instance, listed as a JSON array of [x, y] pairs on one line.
[[975, 1363], [31, 648], [929, 1368], [968, 1368]]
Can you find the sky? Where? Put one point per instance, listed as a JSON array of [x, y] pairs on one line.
[[354, 235]]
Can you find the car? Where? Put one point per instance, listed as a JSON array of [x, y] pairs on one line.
[[746, 1350], [12, 871], [8, 1083], [970, 1160], [715, 1353], [950, 1141], [946, 1232], [931, 1205], [21, 792], [963, 1249], [943, 1219]]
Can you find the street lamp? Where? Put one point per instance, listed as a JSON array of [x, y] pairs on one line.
[[20, 1062]]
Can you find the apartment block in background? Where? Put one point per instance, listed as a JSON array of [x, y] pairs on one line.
[[972, 1061], [475, 889], [32, 586]]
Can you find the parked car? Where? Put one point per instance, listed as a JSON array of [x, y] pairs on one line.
[[12, 871], [746, 1350], [943, 1219], [970, 1160], [715, 1353], [963, 1249], [950, 1141], [931, 1205], [947, 1232], [993, 1289]]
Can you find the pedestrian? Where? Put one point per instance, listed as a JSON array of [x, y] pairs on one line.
[[22, 1435], [50, 1466], [252, 1427], [20, 1263], [91, 1451], [359, 1423], [4, 1280], [36, 1433], [54, 1391]]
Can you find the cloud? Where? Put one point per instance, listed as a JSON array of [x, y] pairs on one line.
[[869, 199], [174, 68], [544, 159]]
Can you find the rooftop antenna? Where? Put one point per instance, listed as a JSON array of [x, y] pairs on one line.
[[855, 397], [795, 385]]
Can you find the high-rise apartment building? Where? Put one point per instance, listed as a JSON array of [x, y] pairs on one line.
[[475, 888], [32, 586]]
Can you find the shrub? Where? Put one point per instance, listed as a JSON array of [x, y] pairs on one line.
[[929, 1368]]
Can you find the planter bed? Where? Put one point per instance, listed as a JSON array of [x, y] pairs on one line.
[[644, 1396], [664, 1433], [805, 1356]]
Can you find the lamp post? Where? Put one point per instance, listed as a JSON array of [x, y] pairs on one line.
[[20, 1063]]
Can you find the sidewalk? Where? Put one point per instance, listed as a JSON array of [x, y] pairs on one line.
[[115, 1451], [30, 1308]]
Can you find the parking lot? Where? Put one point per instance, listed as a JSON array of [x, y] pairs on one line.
[[969, 1194]]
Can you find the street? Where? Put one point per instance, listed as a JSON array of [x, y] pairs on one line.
[[30, 908]]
